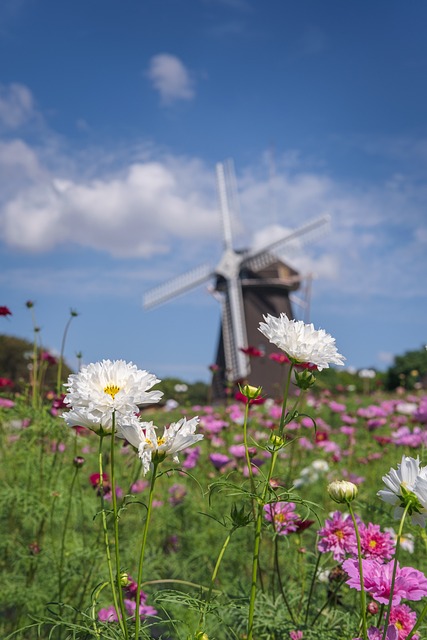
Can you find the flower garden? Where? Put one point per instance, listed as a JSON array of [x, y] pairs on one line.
[[301, 517]]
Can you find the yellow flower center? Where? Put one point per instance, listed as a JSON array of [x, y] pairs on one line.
[[372, 544], [159, 443], [112, 390], [339, 534]]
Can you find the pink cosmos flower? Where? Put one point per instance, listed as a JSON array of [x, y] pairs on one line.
[[403, 619], [410, 583], [375, 543], [338, 536], [296, 635], [283, 516]]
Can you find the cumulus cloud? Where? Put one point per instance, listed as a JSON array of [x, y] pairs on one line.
[[170, 78], [136, 212], [16, 105]]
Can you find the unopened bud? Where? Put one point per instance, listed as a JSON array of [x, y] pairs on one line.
[[342, 491], [276, 441], [304, 379], [124, 579], [250, 392], [78, 461], [373, 608]]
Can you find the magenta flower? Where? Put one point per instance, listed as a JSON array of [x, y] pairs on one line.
[[5, 311], [410, 583], [375, 543], [338, 536], [283, 516], [177, 493], [404, 619], [376, 634]]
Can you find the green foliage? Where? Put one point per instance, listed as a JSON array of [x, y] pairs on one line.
[[408, 370], [16, 361], [52, 559]]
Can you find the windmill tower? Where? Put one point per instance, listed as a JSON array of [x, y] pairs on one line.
[[248, 283]]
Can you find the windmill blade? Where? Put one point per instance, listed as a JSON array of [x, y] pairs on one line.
[[234, 332], [267, 255], [224, 204], [177, 286]]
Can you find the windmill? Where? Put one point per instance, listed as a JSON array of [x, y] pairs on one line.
[[248, 283]]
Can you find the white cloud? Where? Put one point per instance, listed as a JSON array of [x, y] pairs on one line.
[[170, 78], [137, 212], [16, 105]]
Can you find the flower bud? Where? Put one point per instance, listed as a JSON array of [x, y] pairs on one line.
[[124, 579], [78, 461], [304, 379], [342, 491], [250, 392], [373, 608], [276, 441]]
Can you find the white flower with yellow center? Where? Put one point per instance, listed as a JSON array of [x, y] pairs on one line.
[[105, 388], [153, 447], [301, 342]]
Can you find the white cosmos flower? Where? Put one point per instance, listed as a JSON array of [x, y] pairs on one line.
[[103, 388], [154, 448], [407, 483], [301, 342]]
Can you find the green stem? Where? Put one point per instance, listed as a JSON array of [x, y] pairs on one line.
[[285, 401], [310, 593], [245, 442], [64, 533], [93, 609], [279, 579], [393, 576], [214, 575], [106, 538], [116, 526], [362, 584], [142, 551], [418, 623], [61, 357], [257, 543]]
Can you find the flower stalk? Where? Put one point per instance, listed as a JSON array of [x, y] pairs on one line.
[[143, 545]]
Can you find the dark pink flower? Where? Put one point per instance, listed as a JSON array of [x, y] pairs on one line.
[[281, 358], [404, 619], [283, 516], [375, 543], [5, 311], [252, 352], [338, 536]]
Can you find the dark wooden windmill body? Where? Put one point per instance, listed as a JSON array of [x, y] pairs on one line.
[[264, 292], [249, 284]]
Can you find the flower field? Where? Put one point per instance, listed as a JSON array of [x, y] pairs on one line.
[[300, 518]]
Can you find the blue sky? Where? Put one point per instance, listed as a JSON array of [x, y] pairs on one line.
[[112, 118]]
